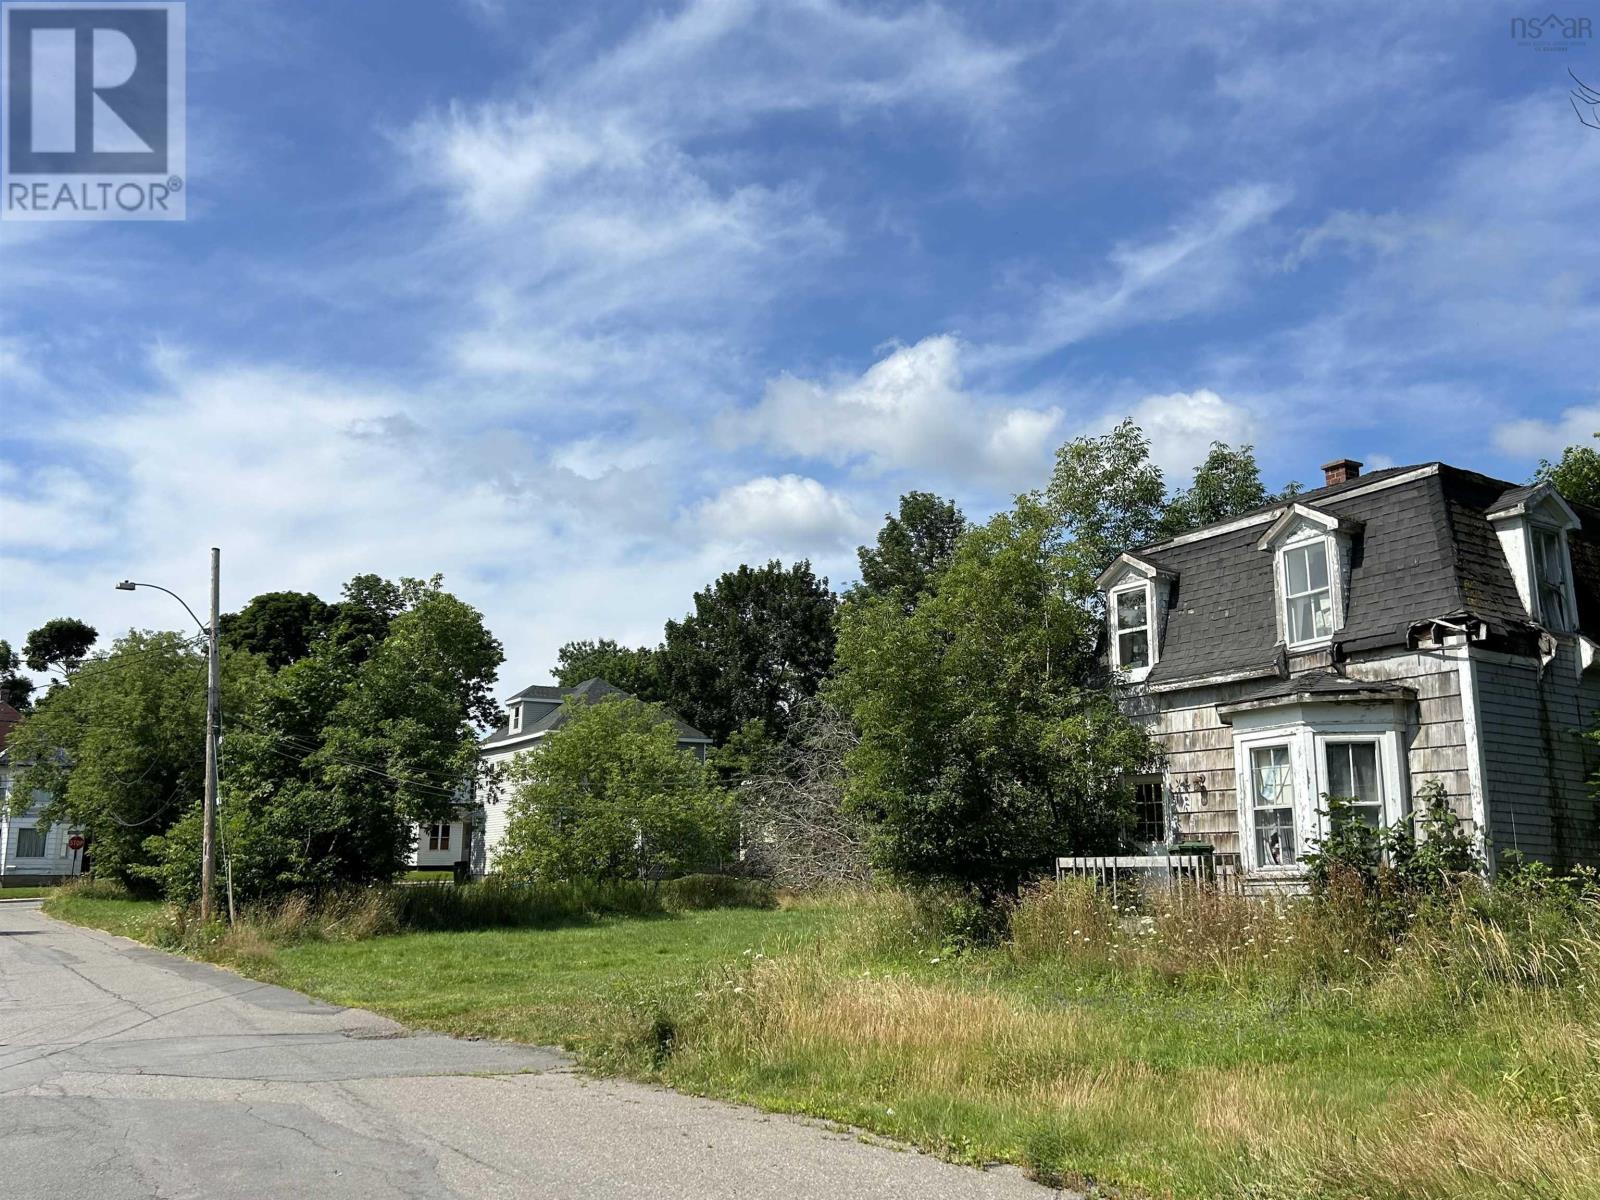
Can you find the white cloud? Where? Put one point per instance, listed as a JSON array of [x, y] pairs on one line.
[[1530, 438], [787, 514], [909, 410], [1181, 427], [1197, 264]]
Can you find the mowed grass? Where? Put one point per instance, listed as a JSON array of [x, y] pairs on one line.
[[1218, 1064], [24, 893]]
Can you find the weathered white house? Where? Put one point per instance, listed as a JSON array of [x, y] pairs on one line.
[[30, 854], [1414, 623], [473, 836]]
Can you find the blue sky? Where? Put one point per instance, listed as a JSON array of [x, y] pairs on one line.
[[582, 309]]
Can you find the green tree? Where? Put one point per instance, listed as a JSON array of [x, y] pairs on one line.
[[760, 639], [1226, 484], [912, 548], [1106, 495], [1576, 476], [635, 671], [59, 645], [119, 749], [611, 795], [16, 689], [990, 736], [279, 626], [374, 729]]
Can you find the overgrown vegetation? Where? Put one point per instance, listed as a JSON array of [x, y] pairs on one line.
[[1192, 1044]]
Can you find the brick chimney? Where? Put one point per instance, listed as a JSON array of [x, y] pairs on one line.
[[1340, 470]]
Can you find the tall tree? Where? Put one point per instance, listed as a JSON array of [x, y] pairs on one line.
[[119, 749], [1576, 476], [16, 689], [912, 547], [1106, 495], [1226, 484], [611, 795], [372, 730], [59, 645], [990, 736], [279, 626], [759, 640], [635, 671]]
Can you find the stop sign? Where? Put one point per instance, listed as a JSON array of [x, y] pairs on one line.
[[75, 842]]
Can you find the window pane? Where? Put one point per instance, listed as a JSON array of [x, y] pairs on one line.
[[1317, 560], [1150, 812], [1294, 563], [1274, 783], [1364, 764], [30, 843], [1131, 610], [1275, 837], [1133, 650]]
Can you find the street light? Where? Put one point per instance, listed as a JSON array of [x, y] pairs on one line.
[[213, 688]]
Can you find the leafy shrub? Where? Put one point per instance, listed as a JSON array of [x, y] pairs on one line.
[[87, 887], [693, 892], [497, 903]]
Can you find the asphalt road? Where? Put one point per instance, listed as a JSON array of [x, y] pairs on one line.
[[125, 1072]]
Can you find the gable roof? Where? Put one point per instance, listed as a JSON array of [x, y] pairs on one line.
[[545, 709], [1425, 550]]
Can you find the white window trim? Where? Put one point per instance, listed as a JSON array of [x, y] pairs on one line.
[[1297, 525], [1136, 674], [1569, 591], [1307, 733], [516, 718], [1330, 558], [1514, 525]]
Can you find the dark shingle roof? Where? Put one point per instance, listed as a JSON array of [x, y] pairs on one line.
[[544, 709], [1425, 550]]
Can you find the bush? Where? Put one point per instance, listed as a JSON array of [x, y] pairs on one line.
[[693, 892], [497, 903], [87, 887]]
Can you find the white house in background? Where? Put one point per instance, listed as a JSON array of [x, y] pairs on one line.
[[29, 853], [473, 836]]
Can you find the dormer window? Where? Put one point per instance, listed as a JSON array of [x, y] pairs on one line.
[[1138, 597], [1550, 570], [1532, 524], [1307, 593], [1312, 554], [516, 717], [1131, 608]]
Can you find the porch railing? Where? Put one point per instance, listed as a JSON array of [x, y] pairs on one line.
[[1182, 872]]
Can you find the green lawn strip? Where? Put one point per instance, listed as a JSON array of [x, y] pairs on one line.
[[1159, 1089], [24, 893]]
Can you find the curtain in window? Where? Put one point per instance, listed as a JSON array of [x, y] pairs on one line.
[[1272, 778]]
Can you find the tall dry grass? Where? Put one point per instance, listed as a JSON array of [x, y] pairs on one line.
[[1197, 1045]]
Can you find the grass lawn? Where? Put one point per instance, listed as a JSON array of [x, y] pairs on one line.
[[1082, 1074], [429, 875], [24, 893]]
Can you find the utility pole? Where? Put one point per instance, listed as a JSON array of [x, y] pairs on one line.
[[208, 864]]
